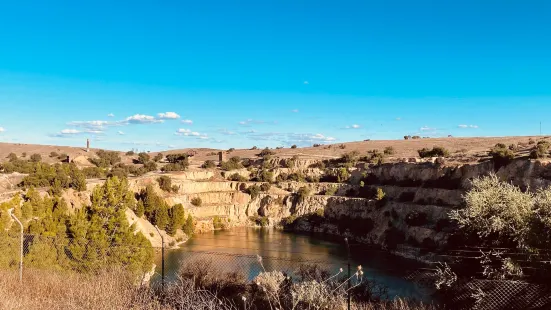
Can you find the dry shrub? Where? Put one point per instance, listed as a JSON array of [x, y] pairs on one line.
[[51, 290]]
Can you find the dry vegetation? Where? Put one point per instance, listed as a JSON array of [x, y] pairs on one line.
[[463, 147], [114, 290]]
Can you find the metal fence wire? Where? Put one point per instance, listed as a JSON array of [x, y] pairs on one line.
[[87, 257]]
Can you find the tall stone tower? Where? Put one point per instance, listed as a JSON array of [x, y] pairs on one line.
[[87, 145]]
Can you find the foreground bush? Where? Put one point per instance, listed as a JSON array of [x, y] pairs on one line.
[[436, 151], [199, 286], [502, 214]]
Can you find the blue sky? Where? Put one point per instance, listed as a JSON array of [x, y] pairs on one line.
[[270, 73]]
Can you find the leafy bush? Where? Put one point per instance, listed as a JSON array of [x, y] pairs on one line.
[[230, 150], [265, 176], [436, 151], [93, 172], [380, 195], [389, 150], [143, 158], [375, 157], [208, 164], [261, 221], [158, 157], [318, 164], [12, 157], [165, 183], [541, 150], [238, 178], [176, 158], [105, 159], [291, 162], [254, 191], [36, 158], [302, 193], [331, 191], [502, 214], [296, 177], [217, 223], [266, 152], [294, 146], [196, 201], [54, 154], [177, 162], [254, 148], [342, 175], [233, 163], [150, 166], [501, 155], [130, 153]]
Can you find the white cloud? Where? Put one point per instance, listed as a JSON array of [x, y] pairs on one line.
[[92, 125], [398, 118], [168, 115], [227, 132], [171, 146], [468, 126], [355, 126], [69, 132], [187, 121], [111, 115], [2, 129], [195, 133], [294, 111], [319, 136], [427, 128], [253, 121], [121, 132], [142, 119]]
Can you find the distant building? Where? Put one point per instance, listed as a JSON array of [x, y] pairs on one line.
[[87, 145], [221, 156]]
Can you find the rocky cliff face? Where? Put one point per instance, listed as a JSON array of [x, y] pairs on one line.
[[414, 210]]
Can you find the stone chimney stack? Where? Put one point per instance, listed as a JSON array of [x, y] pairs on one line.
[[221, 156], [87, 145]]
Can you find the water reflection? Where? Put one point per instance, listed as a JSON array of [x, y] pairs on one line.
[[237, 250]]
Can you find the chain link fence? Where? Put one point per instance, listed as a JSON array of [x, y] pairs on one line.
[[85, 256]]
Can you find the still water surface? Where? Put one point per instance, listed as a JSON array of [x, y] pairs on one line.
[[237, 250]]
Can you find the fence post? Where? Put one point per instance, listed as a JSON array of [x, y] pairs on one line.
[[10, 211], [348, 260], [162, 258]]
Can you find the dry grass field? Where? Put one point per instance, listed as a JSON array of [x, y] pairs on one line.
[[468, 148]]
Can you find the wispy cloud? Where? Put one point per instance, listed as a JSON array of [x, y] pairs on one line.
[[2, 129], [294, 111], [187, 122], [398, 118], [290, 138], [251, 121], [110, 115], [188, 133], [92, 125], [168, 115], [121, 133], [427, 128], [355, 126], [468, 126], [227, 132], [142, 119]]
